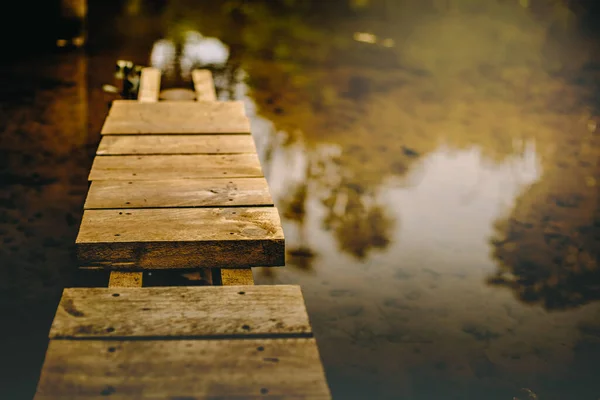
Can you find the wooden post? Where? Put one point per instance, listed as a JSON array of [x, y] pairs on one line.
[[204, 85], [125, 279], [149, 85], [237, 276]]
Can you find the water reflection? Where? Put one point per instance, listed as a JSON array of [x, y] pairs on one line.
[[413, 193]]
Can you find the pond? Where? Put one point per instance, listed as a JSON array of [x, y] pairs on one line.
[[435, 165]]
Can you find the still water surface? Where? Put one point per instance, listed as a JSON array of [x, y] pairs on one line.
[[435, 164]]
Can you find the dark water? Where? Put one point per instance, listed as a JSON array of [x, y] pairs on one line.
[[435, 164]]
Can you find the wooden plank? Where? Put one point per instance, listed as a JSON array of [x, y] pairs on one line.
[[166, 312], [176, 117], [181, 238], [175, 167], [125, 279], [175, 144], [179, 193], [236, 277], [204, 85], [149, 85], [183, 369]]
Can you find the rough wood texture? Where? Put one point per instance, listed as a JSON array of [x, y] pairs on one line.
[[149, 85], [204, 85], [183, 369], [125, 279], [179, 193], [237, 276], [200, 312], [175, 144], [181, 238], [175, 167], [176, 117]]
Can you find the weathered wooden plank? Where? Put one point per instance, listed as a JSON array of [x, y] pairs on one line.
[[125, 279], [204, 85], [176, 117], [201, 312], [181, 238], [175, 144], [149, 85], [179, 193], [183, 369], [237, 276], [175, 167]]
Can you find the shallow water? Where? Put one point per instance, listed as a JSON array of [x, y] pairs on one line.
[[438, 187]]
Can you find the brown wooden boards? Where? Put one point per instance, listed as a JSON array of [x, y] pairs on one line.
[[204, 85], [176, 117], [181, 238], [175, 167], [200, 312], [179, 193], [183, 369], [175, 144]]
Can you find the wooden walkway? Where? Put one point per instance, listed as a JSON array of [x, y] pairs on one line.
[[178, 185]]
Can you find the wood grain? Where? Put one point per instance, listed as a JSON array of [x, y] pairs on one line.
[[181, 238], [149, 85], [175, 167], [200, 312], [204, 85], [179, 193], [125, 279], [237, 276], [183, 369], [175, 144], [176, 117]]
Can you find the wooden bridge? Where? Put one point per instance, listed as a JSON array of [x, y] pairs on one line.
[[178, 185]]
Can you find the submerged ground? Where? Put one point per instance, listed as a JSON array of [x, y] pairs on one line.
[[435, 164]]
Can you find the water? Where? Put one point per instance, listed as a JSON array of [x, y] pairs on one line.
[[435, 165]]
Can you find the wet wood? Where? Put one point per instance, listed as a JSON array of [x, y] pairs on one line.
[[125, 279], [179, 193], [149, 85], [176, 117], [200, 312], [175, 167], [237, 276], [204, 85], [175, 144], [183, 369], [181, 238]]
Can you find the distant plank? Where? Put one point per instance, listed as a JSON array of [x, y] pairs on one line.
[[175, 167], [204, 85], [176, 117], [149, 85], [175, 144], [179, 193], [125, 279], [183, 369], [238, 276], [165, 312], [181, 238]]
